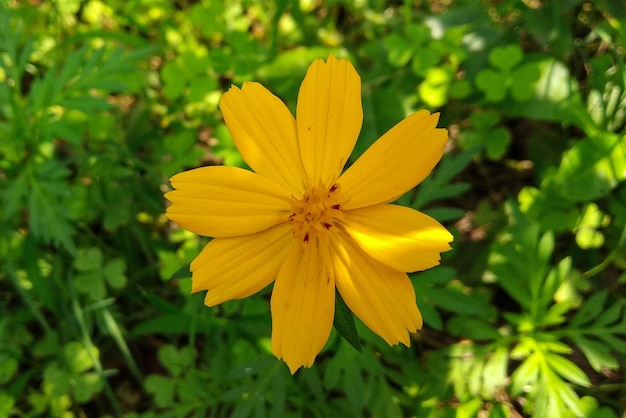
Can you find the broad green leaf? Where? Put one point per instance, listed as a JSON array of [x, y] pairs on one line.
[[87, 385], [430, 314], [113, 271], [497, 142], [434, 89], [399, 50], [592, 167], [485, 120], [505, 57], [417, 34], [88, 259], [77, 356], [92, 283], [174, 82], [199, 88], [57, 380], [493, 84], [6, 404], [176, 360], [162, 389], [423, 60], [354, 385], [523, 81], [191, 388], [8, 367], [439, 275]]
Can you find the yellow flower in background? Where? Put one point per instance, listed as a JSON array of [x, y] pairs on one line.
[[299, 222]]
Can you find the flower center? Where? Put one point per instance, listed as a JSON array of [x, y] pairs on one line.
[[316, 213]]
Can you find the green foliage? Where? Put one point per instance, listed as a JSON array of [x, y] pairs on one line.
[[101, 102], [506, 75]]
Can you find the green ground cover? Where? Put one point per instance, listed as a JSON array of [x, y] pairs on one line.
[[102, 101]]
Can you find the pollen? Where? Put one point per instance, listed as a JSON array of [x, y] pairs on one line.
[[316, 213]]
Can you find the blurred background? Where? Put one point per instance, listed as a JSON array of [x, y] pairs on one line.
[[102, 101]]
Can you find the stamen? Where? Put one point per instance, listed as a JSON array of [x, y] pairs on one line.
[[315, 214]]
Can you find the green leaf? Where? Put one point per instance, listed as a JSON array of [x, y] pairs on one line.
[[92, 283], [505, 57], [471, 327], [523, 81], [493, 84], [525, 374], [592, 167], [438, 184], [8, 367], [200, 87], [598, 354], [344, 323], [424, 60], [77, 356], [6, 404], [174, 82], [497, 142], [162, 389], [591, 309], [57, 379], [399, 50], [86, 386], [439, 275], [48, 217], [175, 360], [89, 259], [567, 369], [457, 301], [485, 120], [495, 371], [608, 316], [86, 104], [114, 273]]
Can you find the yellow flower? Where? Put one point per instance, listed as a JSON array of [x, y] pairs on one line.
[[299, 222]]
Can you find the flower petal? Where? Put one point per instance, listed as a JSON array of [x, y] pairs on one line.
[[381, 297], [329, 117], [264, 131], [303, 305], [225, 201], [400, 237], [234, 268], [396, 162]]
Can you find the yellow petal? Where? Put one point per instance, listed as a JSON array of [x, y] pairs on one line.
[[329, 117], [303, 305], [381, 297], [396, 162], [264, 131], [225, 201], [400, 237], [234, 268]]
